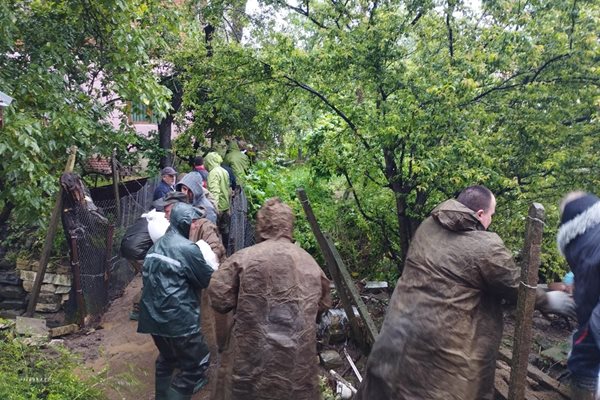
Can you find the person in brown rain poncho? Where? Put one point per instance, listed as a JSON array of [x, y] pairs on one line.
[[443, 326], [277, 291]]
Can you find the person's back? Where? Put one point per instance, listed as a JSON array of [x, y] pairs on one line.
[[218, 180], [444, 322], [443, 327], [239, 161], [277, 291]]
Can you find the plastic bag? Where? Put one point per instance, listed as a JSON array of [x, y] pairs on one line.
[[209, 255], [157, 224], [137, 241]]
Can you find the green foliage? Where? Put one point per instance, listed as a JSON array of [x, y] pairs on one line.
[[412, 101], [28, 372], [69, 65]]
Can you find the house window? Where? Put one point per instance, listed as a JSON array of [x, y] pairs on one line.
[[140, 113]]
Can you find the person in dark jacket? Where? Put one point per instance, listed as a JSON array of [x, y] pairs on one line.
[[201, 169], [174, 270], [579, 241], [167, 183], [443, 326]]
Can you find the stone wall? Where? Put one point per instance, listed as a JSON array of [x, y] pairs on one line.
[[13, 299], [56, 285]]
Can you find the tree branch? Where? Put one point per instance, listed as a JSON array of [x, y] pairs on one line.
[[330, 105]]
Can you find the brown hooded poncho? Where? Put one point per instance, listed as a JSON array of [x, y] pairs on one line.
[[277, 290], [443, 327]]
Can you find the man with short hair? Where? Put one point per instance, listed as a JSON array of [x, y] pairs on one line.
[[443, 327], [579, 242], [201, 169], [167, 183], [174, 270]]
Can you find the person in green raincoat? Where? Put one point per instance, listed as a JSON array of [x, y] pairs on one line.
[[218, 186], [174, 269], [238, 161]]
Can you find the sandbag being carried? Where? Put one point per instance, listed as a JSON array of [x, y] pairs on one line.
[[157, 224], [209, 255], [137, 241]]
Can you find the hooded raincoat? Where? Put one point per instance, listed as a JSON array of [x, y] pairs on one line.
[[218, 180], [174, 269], [277, 291], [443, 327], [239, 161], [194, 182]]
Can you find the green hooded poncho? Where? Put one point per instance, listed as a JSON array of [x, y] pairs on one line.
[[218, 180]]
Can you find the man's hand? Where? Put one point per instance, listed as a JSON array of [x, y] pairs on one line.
[[558, 302]]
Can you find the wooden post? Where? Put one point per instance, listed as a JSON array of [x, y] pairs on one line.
[[345, 287], [48, 242], [353, 293], [76, 268], [115, 176], [526, 301]]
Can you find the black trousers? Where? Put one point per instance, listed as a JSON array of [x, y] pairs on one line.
[[188, 354]]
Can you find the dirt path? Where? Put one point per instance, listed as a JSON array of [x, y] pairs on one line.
[[128, 357]]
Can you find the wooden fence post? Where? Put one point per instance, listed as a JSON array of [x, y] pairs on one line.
[[526, 301], [343, 283], [115, 179], [49, 241]]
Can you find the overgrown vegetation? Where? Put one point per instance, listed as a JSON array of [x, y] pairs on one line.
[[381, 110], [30, 372]]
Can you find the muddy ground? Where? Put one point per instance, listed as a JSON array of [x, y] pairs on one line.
[[128, 357]]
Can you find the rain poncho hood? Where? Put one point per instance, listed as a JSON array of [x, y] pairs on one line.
[[212, 160], [443, 326], [277, 290], [194, 182], [239, 161], [218, 180], [173, 271]]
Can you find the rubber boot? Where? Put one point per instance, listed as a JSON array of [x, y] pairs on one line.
[[578, 393], [175, 395], [161, 388]]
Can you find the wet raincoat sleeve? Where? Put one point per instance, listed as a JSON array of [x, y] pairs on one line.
[[502, 276], [499, 271], [224, 287]]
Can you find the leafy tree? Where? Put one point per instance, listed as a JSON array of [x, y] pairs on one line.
[[419, 99], [70, 64]]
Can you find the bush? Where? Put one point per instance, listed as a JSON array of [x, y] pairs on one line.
[[30, 372]]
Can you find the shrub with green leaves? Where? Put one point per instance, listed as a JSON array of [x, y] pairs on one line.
[[30, 372]]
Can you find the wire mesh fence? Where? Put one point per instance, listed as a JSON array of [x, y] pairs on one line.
[[94, 225]]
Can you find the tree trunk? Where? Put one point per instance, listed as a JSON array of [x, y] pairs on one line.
[[404, 223], [165, 125]]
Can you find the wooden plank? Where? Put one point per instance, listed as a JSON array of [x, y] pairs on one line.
[[49, 240], [353, 292], [539, 376], [526, 302], [332, 266]]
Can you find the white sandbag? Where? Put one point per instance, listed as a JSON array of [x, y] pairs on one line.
[[157, 224], [209, 256]]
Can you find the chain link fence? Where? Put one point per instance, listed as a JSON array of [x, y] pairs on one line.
[[94, 222]]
